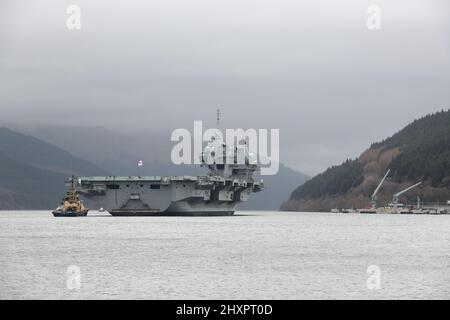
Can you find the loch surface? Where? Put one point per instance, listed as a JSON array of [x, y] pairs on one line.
[[252, 255]]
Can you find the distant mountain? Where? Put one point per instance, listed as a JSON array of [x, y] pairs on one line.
[[113, 151], [275, 190], [32, 172], [23, 186], [118, 153], [38, 153], [420, 151]]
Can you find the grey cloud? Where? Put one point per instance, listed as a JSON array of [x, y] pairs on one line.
[[311, 68]]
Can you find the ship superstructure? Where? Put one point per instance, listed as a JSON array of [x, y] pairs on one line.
[[227, 183]]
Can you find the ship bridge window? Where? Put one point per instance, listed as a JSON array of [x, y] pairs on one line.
[[155, 186], [113, 186]]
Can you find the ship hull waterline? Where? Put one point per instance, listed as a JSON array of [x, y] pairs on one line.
[[118, 213]]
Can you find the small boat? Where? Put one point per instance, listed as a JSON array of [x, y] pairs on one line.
[[101, 210], [371, 211], [71, 205]]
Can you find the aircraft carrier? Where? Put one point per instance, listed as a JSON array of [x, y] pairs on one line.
[[217, 193]]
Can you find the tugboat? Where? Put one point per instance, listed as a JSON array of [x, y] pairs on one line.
[[71, 205]]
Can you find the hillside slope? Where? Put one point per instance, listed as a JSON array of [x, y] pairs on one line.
[[23, 186], [44, 155], [32, 172], [420, 151]]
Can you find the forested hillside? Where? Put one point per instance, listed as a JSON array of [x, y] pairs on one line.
[[420, 151]]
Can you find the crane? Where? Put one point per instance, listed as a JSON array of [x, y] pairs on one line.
[[374, 195], [398, 194]]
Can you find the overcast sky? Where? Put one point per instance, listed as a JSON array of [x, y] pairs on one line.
[[310, 68]]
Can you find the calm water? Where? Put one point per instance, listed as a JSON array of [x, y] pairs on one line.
[[255, 255]]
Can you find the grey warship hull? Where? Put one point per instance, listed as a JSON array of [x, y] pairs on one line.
[[166, 196]]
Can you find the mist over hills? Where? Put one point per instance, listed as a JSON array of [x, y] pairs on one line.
[[118, 152], [420, 151], [276, 189], [115, 152], [100, 151]]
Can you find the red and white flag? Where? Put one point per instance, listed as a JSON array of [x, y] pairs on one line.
[[140, 163]]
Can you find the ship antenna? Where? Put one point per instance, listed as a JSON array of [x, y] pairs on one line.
[[218, 119], [218, 124]]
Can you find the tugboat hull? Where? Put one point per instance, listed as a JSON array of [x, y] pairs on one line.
[[69, 213]]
